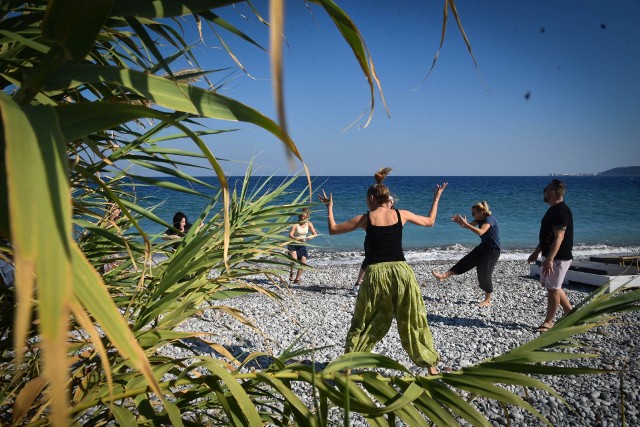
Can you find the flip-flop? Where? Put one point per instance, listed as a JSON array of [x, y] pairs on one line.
[[542, 329]]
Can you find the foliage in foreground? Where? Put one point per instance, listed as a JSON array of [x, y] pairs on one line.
[[89, 97]]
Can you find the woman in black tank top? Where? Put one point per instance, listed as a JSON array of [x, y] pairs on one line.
[[389, 289]]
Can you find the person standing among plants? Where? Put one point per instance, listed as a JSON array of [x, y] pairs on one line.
[[110, 221], [181, 226], [300, 233], [483, 257], [389, 289]]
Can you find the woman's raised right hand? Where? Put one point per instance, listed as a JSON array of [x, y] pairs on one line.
[[437, 192]]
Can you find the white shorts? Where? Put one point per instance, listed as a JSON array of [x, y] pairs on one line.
[[555, 279]]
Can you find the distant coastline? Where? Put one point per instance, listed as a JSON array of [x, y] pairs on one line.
[[621, 171], [626, 171]]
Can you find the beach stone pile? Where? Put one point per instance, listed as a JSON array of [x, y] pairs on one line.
[[317, 314]]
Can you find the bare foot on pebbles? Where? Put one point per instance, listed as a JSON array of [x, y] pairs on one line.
[[440, 276]]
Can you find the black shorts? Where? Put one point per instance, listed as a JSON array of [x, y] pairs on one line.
[[301, 251]]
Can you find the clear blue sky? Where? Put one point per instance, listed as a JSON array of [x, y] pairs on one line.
[[578, 61]]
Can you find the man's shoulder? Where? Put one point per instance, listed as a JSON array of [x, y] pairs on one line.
[[562, 206], [560, 213]]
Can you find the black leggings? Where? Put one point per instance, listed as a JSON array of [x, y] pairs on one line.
[[485, 260]]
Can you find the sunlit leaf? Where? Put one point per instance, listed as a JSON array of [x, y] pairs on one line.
[[40, 231]]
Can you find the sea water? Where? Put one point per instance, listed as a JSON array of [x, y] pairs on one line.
[[604, 210]]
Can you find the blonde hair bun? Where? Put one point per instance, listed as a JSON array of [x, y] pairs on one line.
[[482, 207]]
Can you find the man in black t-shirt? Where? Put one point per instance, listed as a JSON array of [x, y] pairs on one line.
[[555, 245]]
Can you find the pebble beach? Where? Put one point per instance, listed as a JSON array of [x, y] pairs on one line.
[[317, 314]]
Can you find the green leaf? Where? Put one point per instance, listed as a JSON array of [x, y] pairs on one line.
[[302, 414], [174, 413], [165, 8], [388, 395], [357, 360], [91, 293], [451, 400], [238, 393], [40, 218], [486, 389], [75, 24], [177, 96], [123, 416]]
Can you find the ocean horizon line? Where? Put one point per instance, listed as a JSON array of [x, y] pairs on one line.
[[585, 174]]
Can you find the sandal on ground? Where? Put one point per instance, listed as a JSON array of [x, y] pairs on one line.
[[543, 328], [297, 282]]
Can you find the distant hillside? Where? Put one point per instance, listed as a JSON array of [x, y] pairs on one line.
[[628, 171]]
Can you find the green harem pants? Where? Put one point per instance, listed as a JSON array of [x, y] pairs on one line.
[[389, 290]]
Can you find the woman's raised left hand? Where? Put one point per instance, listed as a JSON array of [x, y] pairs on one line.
[[326, 200]]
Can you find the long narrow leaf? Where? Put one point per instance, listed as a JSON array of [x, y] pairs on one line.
[[40, 218], [177, 96], [90, 291]]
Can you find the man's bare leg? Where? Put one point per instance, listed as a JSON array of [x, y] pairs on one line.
[[553, 302], [564, 301]]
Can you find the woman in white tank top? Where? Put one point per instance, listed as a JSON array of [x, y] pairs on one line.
[[300, 233]]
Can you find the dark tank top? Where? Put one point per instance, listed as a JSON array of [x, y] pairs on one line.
[[384, 242]]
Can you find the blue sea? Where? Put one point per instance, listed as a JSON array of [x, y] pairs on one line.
[[604, 210]]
